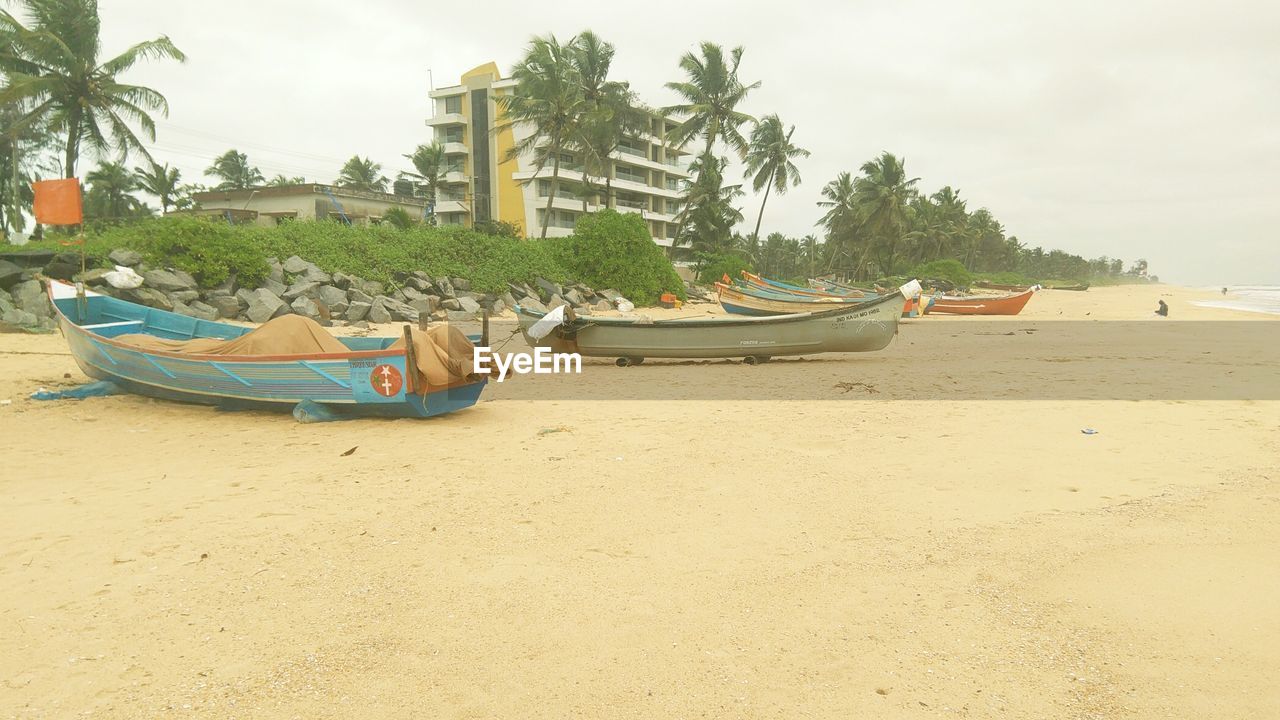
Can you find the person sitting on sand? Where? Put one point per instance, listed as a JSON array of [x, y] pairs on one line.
[[1163, 310]]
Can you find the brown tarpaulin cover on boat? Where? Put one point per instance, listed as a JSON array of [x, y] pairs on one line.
[[442, 353]]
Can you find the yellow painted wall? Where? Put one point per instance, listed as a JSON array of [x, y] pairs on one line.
[[510, 192]]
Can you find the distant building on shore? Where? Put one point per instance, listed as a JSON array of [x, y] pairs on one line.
[[270, 205], [481, 185]]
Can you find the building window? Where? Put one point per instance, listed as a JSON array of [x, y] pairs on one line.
[[631, 147], [631, 201], [635, 175], [453, 134], [450, 218], [565, 190], [453, 104], [455, 164], [567, 162], [559, 218]]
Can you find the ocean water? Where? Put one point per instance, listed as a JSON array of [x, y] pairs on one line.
[[1250, 298]]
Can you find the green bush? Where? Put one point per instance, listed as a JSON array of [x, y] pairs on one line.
[[398, 218], [715, 267], [950, 270], [609, 249]]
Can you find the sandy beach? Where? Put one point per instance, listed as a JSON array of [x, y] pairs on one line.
[[735, 549]]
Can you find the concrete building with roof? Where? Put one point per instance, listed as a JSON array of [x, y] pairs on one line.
[[269, 205], [481, 184]]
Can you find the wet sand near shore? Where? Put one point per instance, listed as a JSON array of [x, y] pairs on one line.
[[892, 554]]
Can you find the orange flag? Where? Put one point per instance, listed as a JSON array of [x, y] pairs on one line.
[[57, 202]]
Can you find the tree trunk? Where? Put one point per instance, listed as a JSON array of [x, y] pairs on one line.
[[73, 143], [767, 188], [555, 185]]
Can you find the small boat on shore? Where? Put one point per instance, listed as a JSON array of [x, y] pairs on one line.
[[831, 286], [982, 305], [276, 366], [764, 283], [750, 301], [844, 327], [1074, 288], [997, 286]]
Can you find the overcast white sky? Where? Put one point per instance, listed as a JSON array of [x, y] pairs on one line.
[[1132, 129]]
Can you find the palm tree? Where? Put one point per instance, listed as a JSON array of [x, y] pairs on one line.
[[707, 214], [929, 230], [235, 171], [53, 64], [24, 153], [281, 180], [362, 174], [711, 93], [985, 237], [609, 112], [160, 181], [882, 194], [769, 159], [842, 220], [429, 162], [953, 216], [548, 96], [110, 188]]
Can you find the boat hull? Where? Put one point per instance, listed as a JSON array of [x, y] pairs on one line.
[[343, 382], [1006, 305], [864, 327], [746, 302], [777, 286]]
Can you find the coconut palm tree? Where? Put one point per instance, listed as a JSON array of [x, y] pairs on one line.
[[610, 111], [769, 160], [548, 96], [930, 233], [711, 93], [160, 181], [362, 174], [842, 220], [53, 63], [882, 195], [281, 180], [24, 157], [707, 214], [110, 192], [985, 236], [430, 166], [235, 171]]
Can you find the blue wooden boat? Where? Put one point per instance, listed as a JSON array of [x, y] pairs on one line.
[[370, 379]]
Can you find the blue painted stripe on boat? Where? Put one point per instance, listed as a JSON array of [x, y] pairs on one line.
[[157, 365], [323, 374], [104, 352], [233, 376]]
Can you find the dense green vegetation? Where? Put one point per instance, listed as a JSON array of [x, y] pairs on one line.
[[609, 250]]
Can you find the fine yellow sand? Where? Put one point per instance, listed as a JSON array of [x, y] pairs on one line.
[[843, 546]]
